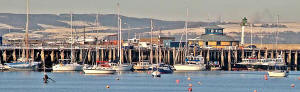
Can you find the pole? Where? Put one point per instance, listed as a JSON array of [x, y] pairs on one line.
[[27, 29]]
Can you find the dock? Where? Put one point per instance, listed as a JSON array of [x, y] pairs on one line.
[[227, 58]]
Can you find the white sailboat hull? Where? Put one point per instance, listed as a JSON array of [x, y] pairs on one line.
[[189, 67], [277, 73], [21, 66], [67, 67], [122, 67], [98, 71]]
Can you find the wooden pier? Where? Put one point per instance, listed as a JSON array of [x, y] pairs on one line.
[[226, 58]]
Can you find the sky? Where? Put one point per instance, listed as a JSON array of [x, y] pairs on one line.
[[199, 10]]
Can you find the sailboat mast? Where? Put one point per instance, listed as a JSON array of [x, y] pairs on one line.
[[277, 24], [151, 47], [251, 38], [27, 29], [120, 48], [71, 37], [118, 15], [186, 32]]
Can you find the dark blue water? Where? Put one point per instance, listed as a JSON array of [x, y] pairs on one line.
[[211, 81]]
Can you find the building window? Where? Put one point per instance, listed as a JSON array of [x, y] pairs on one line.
[[206, 43], [218, 43]]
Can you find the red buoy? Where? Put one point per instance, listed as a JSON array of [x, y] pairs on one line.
[[266, 77], [298, 78], [177, 81], [190, 89], [292, 85]]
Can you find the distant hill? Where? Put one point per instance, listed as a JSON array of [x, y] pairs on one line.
[[110, 20]]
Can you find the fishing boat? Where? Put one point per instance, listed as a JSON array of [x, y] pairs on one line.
[[193, 63], [101, 67], [214, 65], [162, 68], [142, 66]]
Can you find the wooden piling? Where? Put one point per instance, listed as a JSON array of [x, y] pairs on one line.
[[243, 54], [81, 55], [272, 54], [62, 54], [207, 56], [222, 58], [266, 54], [236, 56], [32, 54], [296, 60], [109, 54], [14, 55], [89, 55], [4, 56], [102, 55], [174, 56], [130, 56], [229, 60], [52, 56], [42, 55], [115, 54], [97, 55], [259, 54]]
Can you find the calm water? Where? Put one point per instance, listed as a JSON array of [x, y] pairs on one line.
[[216, 81]]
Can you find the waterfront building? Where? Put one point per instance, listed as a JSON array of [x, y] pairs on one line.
[[214, 37]]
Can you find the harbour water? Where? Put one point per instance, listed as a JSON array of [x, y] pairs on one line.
[[210, 81]]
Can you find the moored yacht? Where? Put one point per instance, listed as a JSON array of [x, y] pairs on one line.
[[142, 66], [102, 68], [22, 65], [66, 65], [193, 63]]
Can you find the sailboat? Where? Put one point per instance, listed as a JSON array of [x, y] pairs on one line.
[[192, 63], [100, 67], [279, 64], [120, 66], [24, 64], [68, 64]]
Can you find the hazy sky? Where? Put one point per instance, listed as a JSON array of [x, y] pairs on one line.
[[203, 10]]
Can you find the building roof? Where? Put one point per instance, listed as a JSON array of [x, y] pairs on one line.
[[213, 27], [216, 38]]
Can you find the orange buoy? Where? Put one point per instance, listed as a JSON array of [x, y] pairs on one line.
[[292, 85], [177, 81], [190, 85], [266, 77], [107, 86], [189, 78], [255, 91], [298, 78], [190, 89]]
